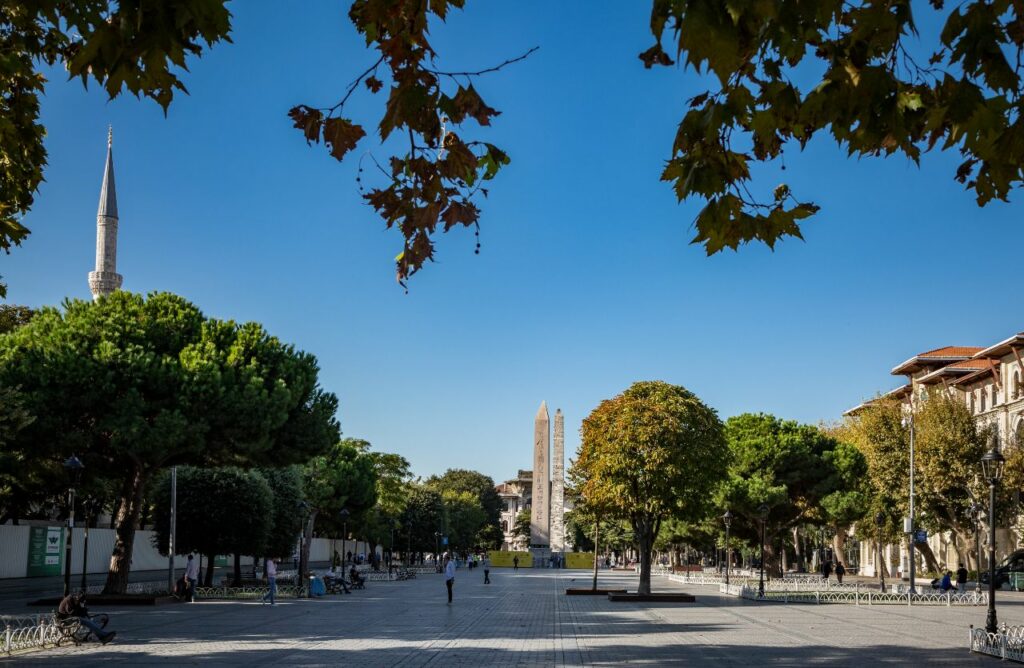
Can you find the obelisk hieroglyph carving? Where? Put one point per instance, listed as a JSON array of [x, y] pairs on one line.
[[540, 504], [558, 486], [105, 279]]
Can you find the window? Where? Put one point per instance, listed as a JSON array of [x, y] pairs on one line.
[[1016, 385], [972, 403], [504, 526], [982, 410], [995, 396]]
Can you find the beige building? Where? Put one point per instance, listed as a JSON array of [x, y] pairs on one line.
[[989, 381], [516, 496]]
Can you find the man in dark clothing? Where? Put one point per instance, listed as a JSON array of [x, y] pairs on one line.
[[840, 572], [73, 605], [826, 569], [961, 579]]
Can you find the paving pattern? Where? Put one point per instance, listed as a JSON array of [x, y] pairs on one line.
[[525, 619]]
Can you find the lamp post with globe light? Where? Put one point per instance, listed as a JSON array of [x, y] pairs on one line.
[[992, 467], [74, 467], [727, 520], [763, 512]]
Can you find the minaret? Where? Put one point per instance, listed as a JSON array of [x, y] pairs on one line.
[[105, 279], [540, 503], [558, 487]]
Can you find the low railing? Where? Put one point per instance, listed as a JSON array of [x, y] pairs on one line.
[[27, 631], [857, 595], [249, 593], [1007, 643]]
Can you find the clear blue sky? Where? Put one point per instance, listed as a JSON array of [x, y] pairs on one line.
[[586, 281]]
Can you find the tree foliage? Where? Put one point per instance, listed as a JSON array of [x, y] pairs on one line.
[[134, 385], [877, 93], [423, 517], [286, 519], [654, 451], [434, 183], [220, 511], [13, 316], [464, 518], [21, 474], [133, 45], [475, 483]]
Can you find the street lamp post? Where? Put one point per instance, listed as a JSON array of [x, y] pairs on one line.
[[73, 465], [763, 510], [880, 521], [343, 515], [727, 520], [87, 509], [976, 516], [992, 467], [909, 525]]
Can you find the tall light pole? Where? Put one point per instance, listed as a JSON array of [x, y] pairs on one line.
[[763, 510], [909, 524], [880, 521], [173, 534], [727, 520], [73, 465], [87, 509], [992, 466], [976, 516], [343, 515]]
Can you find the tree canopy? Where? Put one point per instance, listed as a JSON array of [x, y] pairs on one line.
[[653, 452], [133, 385], [475, 483], [220, 511]]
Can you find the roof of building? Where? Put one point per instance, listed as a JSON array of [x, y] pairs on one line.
[[980, 374], [937, 357], [954, 370], [898, 393], [108, 193], [1003, 347]]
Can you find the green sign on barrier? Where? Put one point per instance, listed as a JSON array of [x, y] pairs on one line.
[[45, 551]]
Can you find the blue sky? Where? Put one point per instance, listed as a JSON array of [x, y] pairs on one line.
[[586, 281]]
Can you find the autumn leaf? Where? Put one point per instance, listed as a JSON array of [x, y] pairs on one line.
[[374, 84], [341, 136], [308, 120]]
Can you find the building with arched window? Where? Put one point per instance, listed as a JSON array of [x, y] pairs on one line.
[[988, 381]]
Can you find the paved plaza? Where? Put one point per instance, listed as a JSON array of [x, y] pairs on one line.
[[526, 619]]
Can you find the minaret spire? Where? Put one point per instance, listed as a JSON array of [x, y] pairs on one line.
[[105, 278]]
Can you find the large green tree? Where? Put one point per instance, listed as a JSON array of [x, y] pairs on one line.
[[21, 475], [464, 517], [344, 477], [653, 452], [423, 517], [219, 511], [473, 482], [791, 468], [134, 385], [286, 520]]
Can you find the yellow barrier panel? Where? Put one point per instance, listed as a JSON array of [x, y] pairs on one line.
[[502, 559], [579, 560]]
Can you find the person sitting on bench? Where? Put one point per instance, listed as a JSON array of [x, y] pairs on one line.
[[354, 578], [73, 606]]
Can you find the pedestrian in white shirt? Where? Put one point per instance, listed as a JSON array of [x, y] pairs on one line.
[[271, 572], [192, 575], [449, 576]]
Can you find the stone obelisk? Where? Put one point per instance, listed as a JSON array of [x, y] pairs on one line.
[[105, 279], [540, 514], [558, 487]]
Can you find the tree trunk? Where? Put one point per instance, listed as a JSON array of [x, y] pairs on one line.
[[798, 552], [839, 547], [645, 539], [210, 566], [929, 557], [307, 537], [238, 570], [597, 554], [124, 536]]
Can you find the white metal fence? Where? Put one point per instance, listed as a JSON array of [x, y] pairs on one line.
[[27, 631], [1007, 643]]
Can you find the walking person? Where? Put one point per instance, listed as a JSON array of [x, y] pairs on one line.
[[515, 563], [826, 570], [270, 570], [449, 576], [487, 569], [840, 572], [192, 575], [961, 579]]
